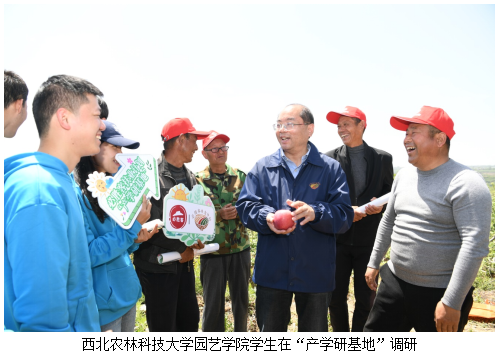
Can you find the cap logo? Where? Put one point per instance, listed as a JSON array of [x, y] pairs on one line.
[[418, 114], [345, 110]]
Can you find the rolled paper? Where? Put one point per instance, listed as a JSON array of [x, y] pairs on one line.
[[206, 250], [377, 202], [168, 256], [175, 256], [150, 225]]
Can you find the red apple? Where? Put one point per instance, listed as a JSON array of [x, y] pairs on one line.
[[283, 220]]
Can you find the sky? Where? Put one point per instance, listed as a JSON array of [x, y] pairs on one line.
[[233, 68]]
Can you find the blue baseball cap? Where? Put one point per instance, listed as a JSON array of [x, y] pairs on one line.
[[113, 136]]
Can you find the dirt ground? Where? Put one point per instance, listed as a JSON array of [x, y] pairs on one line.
[[487, 297]]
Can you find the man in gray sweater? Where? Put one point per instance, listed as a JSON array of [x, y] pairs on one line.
[[437, 224]]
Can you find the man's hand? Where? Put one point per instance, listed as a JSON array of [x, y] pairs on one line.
[[228, 212], [145, 212], [302, 210], [371, 278], [372, 209], [446, 318], [187, 255], [358, 215], [144, 235], [270, 223], [198, 246]]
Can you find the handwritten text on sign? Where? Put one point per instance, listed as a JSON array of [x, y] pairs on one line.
[[121, 196]]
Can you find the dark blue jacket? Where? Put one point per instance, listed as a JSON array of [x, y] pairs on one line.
[[304, 260]]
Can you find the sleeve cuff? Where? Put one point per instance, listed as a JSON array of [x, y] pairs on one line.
[[218, 217], [136, 227]]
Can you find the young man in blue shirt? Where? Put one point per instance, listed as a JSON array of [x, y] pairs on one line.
[[47, 275]]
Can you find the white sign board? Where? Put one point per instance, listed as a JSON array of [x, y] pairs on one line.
[[188, 215], [120, 196]]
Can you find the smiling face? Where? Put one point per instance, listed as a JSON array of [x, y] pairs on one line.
[[87, 128], [293, 139], [423, 150], [215, 159], [101, 186], [350, 132], [105, 161]]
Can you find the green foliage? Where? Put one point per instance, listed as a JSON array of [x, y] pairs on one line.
[[141, 324], [198, 287]]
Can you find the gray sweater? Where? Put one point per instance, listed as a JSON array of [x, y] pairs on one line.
[[437, 223]]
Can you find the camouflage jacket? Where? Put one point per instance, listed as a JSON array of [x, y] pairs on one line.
[[231, 235]]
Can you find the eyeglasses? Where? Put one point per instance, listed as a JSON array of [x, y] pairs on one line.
[[287, 126], [216, 150]]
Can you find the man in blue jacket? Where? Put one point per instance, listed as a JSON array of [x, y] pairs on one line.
[[47, 275], [298, 261]]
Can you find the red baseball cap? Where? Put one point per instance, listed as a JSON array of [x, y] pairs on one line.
[[213, 136], [433, 116], [347, 112], [177, 126]]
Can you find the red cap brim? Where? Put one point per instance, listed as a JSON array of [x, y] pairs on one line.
[[333, 117], [224, 137], [200, 135], [402, 123]]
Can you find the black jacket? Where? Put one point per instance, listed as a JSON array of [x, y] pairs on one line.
[[146, 256], [379, 178]]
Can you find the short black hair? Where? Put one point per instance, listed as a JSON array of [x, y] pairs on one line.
[[14, 88], [60, 91], [170, 143], [433, 131], [356, 122], [104, 107], [305, 114]]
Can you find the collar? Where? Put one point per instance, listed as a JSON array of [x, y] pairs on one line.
[[313, 157], [303, 159], [208, 174], [163, 165]]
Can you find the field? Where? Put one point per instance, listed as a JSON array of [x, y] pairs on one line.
[[484, 283]]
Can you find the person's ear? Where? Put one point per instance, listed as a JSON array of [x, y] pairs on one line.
[[310, 129], [204, 154], [19, 105], [441, 139], [63, 117]]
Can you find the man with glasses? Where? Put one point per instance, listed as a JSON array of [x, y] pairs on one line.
[[231, 263], [298, 261]]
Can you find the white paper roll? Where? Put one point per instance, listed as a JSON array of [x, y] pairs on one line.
[[175, 256], [377, 202], [150, 225]]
